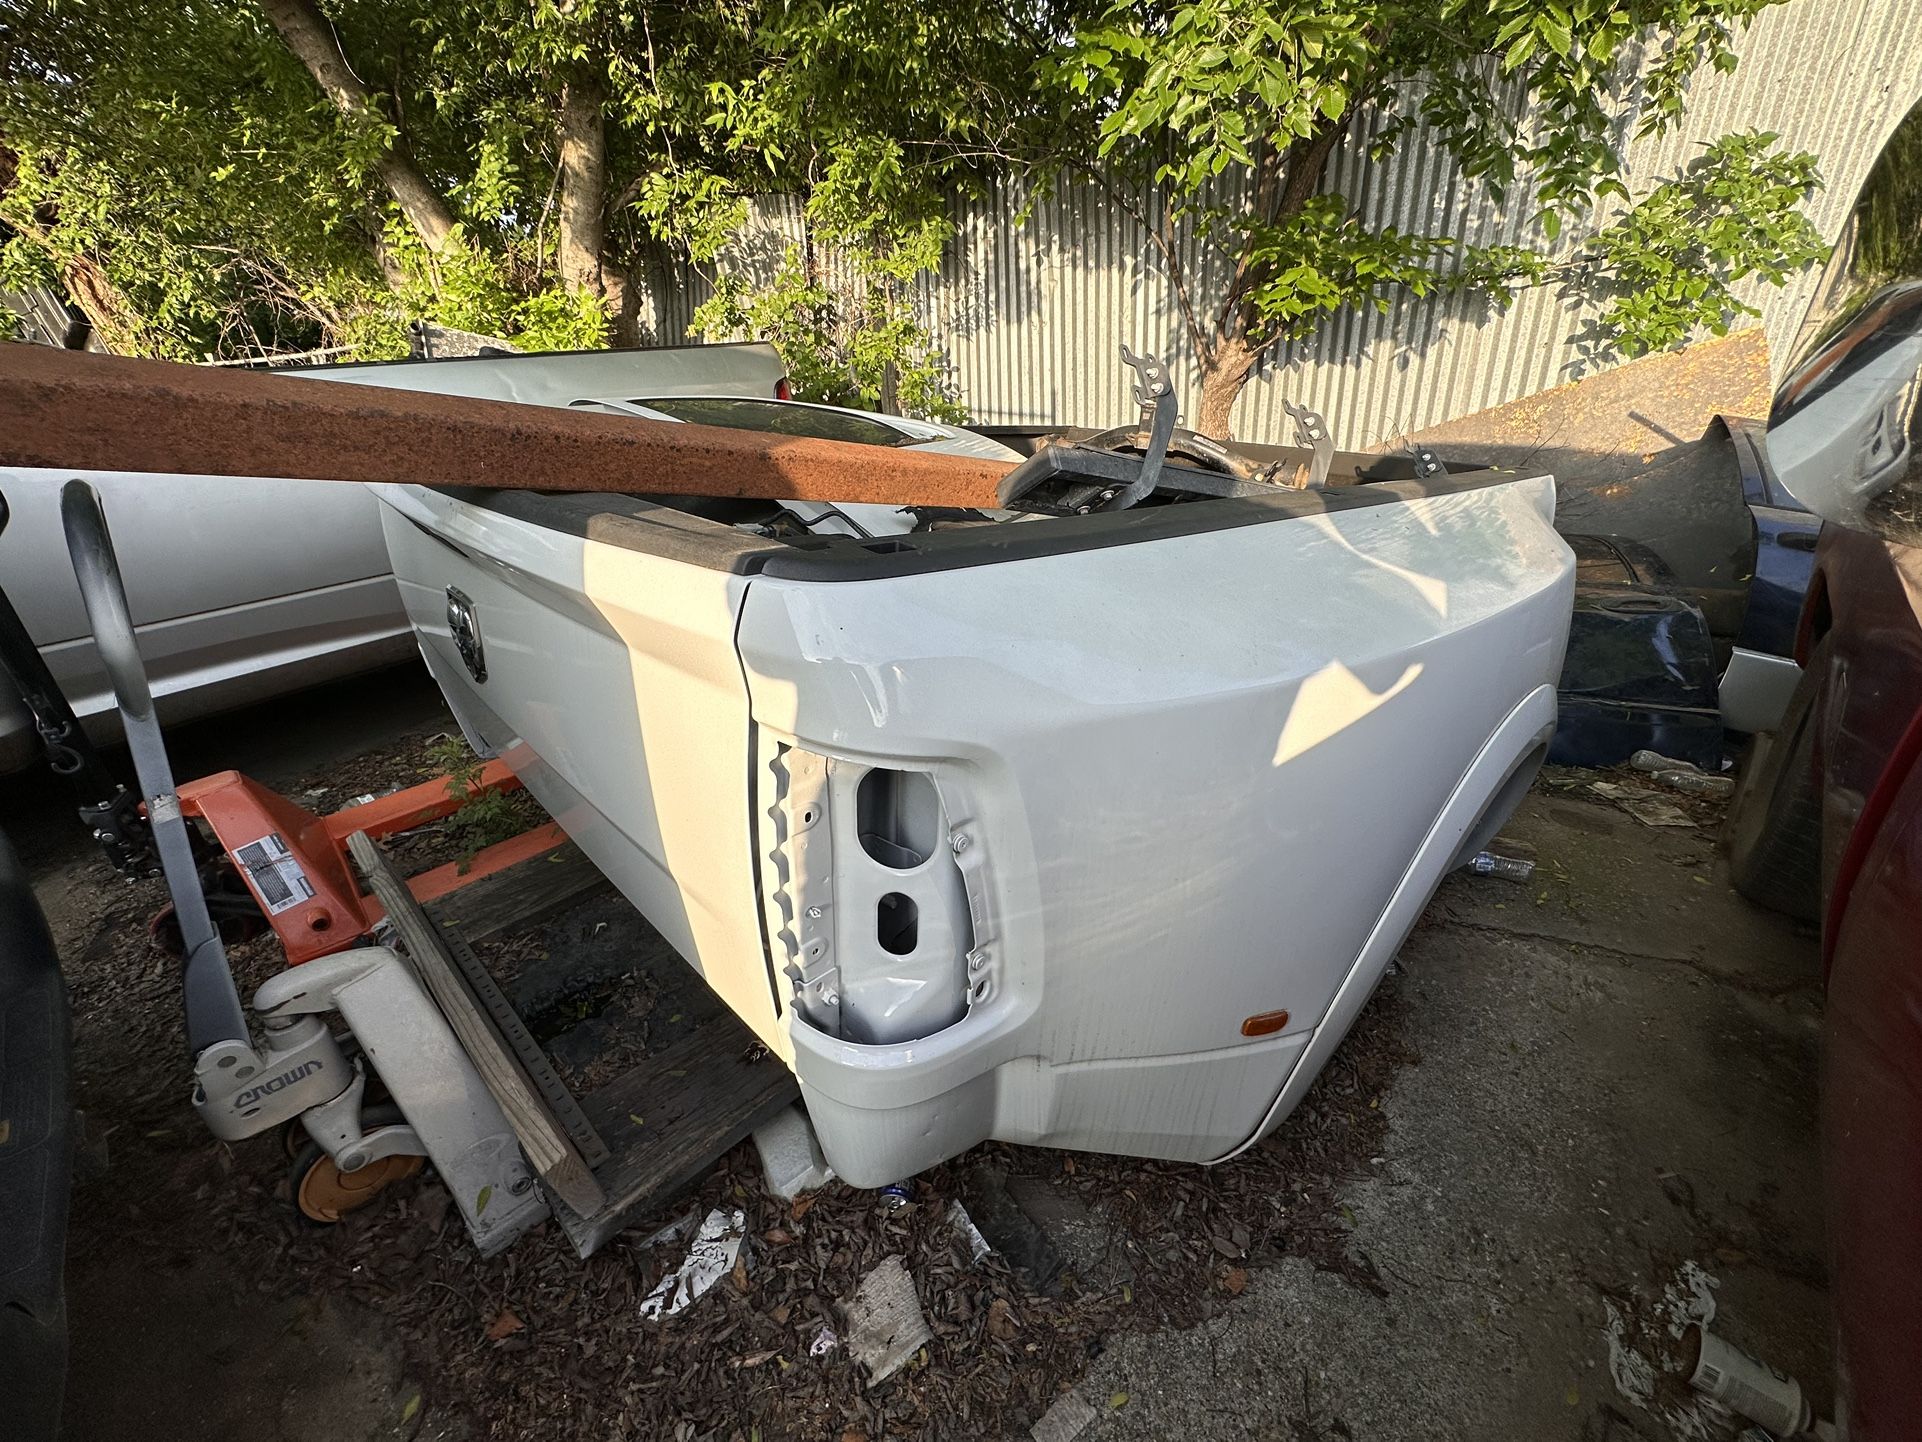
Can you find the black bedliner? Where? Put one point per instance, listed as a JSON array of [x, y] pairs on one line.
[[657, 528]]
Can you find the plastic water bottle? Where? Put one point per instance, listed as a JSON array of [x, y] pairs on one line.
[[1681, 775], [1508, 868], [1695, 782], [1646, 760]]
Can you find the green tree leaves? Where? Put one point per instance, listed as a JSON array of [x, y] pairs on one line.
[[185, 167], [1209, 83], [1226, 114], [841, 349], [180, 170], [1666, 266]]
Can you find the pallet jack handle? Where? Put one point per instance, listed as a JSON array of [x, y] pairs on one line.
[[214, 1012], [301, 1069]]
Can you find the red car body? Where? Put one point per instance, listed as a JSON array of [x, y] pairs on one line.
[[1849, 419], [1845, 438], [1863, 628]]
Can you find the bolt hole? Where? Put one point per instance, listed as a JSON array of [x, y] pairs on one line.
[[320, 921], [897, 923]]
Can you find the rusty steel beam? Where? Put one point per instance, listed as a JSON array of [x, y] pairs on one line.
[[70, 410]]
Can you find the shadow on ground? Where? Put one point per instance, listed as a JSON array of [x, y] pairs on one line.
[[1578, 1107], [1616, 1091]]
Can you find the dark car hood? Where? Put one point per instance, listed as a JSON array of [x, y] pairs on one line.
[[1686, 506]]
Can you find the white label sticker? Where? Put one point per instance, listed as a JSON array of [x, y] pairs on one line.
[[277, 877]]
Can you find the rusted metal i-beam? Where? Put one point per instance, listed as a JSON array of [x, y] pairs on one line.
[[72, 410]]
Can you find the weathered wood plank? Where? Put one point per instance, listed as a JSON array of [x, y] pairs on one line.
[[79, 411], [529, 1052], [519, 896], [670, 1118], [548, 1147]]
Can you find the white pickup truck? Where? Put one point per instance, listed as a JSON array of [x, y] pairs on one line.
[[1089, 823], [241, 592]]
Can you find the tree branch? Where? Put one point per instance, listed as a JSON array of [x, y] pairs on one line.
[[1160, 232], [1285, 181], [307, 34]]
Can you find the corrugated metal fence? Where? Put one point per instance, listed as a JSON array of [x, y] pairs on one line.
[[1032, 310]]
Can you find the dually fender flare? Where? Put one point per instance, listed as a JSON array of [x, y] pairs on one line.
[[1523, 734]]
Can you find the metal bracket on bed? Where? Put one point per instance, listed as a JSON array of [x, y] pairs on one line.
[[1311, 433], [1155, 394], [1115, 469], [1427, 464]]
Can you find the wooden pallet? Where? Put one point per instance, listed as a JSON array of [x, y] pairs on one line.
[[655, 1127]]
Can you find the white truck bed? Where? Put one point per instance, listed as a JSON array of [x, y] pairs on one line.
[[1027, 831]]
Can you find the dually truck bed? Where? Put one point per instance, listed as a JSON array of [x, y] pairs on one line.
[[1093, 831]]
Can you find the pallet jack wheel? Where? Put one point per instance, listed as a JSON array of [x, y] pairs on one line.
[[324, 1193], [378, 1101]]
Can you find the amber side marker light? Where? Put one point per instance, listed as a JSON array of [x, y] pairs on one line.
[[1262, 1023]]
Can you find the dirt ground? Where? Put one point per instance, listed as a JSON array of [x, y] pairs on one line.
[[1579, 1112]]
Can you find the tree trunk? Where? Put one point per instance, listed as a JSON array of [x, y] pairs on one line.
[[1224, 371], [311, 39], [584, 262], [391, 270], [624, 296], [1285, 181], [120, 327], [110, 315], [583, 184]]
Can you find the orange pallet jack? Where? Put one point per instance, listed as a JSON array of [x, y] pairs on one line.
[[433, 1062], [275, 1059], [296, 864]]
